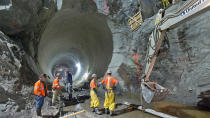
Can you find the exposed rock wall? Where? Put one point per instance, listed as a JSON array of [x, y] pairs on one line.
[[23, 23], [183, 65], [11, 57]]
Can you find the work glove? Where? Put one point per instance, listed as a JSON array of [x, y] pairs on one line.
[[95, 90], [115, 86], [103, 86], [99, 84], [53, 89]]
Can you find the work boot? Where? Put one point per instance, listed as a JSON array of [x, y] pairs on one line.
[[93, 110], [38, 112], [97, 111], [53, 105], [106, 111], [111, 113]]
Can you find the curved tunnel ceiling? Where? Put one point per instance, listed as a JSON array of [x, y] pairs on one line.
[[81, 41]]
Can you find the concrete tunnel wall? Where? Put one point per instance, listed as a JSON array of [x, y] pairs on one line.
[[73, 37]]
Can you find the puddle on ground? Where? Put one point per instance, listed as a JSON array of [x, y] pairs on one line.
[[180, 110]]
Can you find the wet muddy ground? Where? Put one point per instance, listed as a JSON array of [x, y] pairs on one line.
[[172, 108]]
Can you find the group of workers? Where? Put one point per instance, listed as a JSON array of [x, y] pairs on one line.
[[109, 84], [40, 89]]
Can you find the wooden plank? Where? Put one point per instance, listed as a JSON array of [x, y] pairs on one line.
[[135, 21], [73, 114]]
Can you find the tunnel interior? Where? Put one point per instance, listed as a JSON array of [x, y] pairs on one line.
[[80, 42]]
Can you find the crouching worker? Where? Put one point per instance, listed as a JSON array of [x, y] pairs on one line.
[[94, 104], [56, 88], [110, 84], [40, 90]]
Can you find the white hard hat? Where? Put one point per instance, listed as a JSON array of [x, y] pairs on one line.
[[109, 72], [94, 75]]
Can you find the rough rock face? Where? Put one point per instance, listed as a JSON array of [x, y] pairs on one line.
[[182, 66], [185, 69], [9, 65], [125, 41], [25, 20], [121, 10], [15, 82]]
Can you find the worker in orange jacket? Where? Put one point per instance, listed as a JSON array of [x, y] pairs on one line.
[[94, 104], [109, 83], [40, 90], [56, 88]]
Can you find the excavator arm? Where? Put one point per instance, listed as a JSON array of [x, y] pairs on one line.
[[190, 9]]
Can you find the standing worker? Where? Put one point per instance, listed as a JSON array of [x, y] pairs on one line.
[[40, 90], [94, 104], [110, 84], [56, 89], [165, 3], [69, 84]]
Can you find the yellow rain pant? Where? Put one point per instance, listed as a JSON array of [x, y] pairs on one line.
[[94, 103], [109, 102]]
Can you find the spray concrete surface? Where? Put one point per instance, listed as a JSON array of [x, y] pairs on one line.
[[80, 40]]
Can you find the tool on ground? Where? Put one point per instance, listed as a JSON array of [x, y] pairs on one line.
[[73, 114]]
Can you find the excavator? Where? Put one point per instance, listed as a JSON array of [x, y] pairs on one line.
[[151, 91]]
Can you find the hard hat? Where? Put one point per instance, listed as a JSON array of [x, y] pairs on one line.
[[94, 75], [161, 11], [109, 72]]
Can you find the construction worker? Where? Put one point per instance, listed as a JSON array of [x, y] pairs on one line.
[[69, 84], [40, 90], [94, 104], [165, 3], [56, 88], [159, 16], [109, 84]]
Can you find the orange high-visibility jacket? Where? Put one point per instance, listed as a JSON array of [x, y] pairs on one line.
[[56, 84], [93, 84], [109, 81], [39, 88]]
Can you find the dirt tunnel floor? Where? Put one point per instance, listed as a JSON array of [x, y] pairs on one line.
[[128, 98], [89, 114], [172, 108]]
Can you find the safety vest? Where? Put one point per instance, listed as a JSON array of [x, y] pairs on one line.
[[93, 84], [109, 82], [56, 84], [39, 88]]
